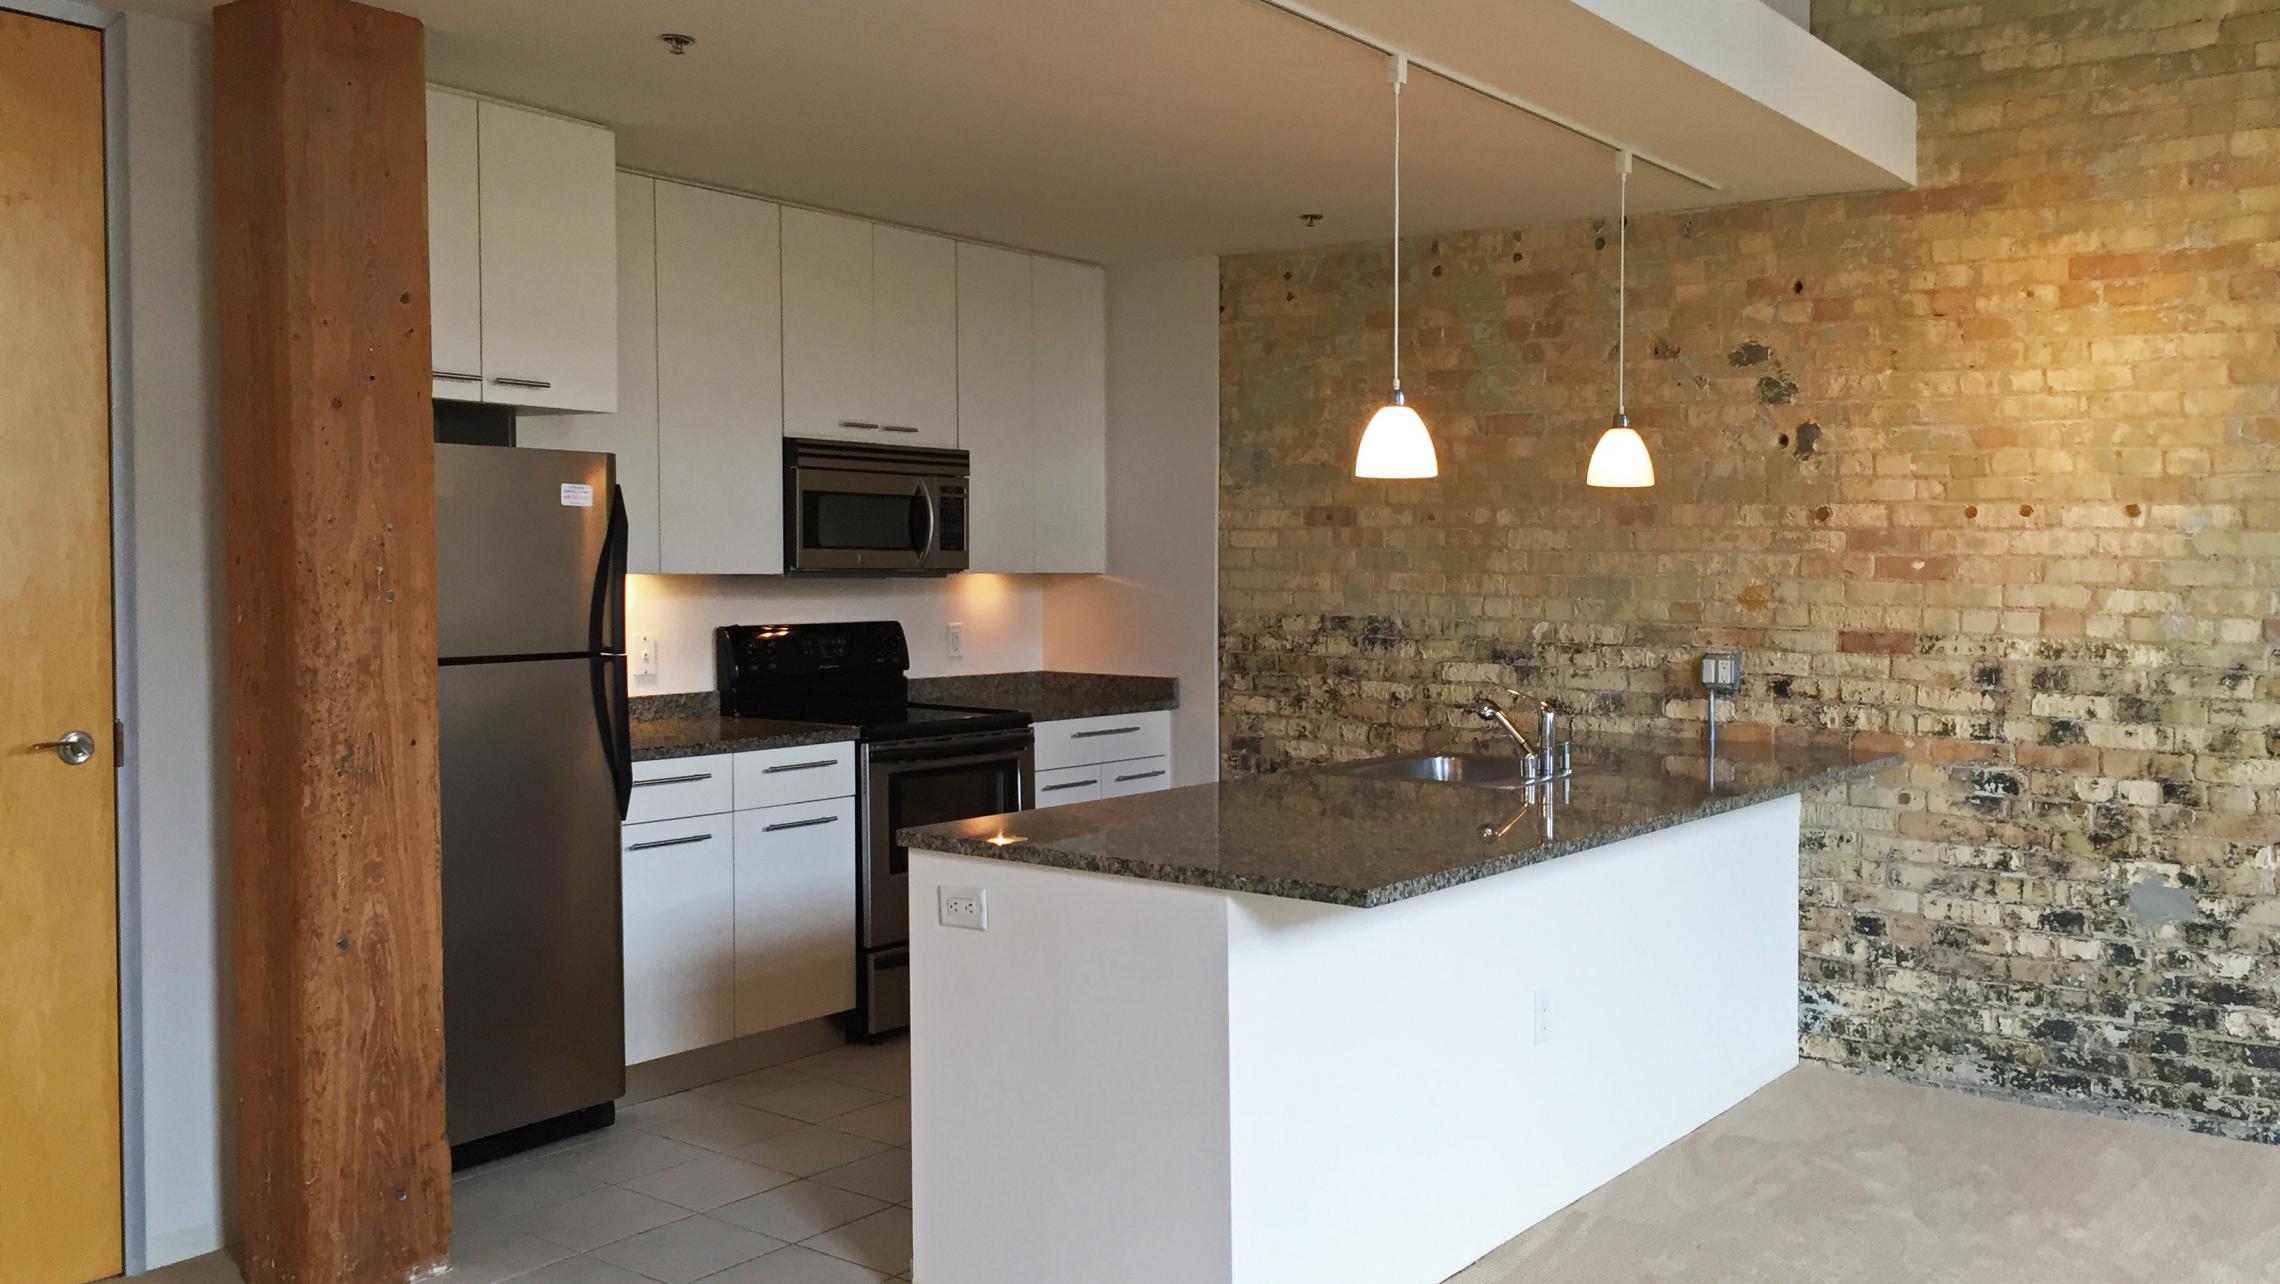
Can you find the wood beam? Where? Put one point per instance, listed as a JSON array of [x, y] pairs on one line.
[[343, 1174]]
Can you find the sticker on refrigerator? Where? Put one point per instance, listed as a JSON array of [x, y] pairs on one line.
[[577, 495]]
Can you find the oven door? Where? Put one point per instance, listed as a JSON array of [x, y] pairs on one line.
[[922, 783], [849, 520]]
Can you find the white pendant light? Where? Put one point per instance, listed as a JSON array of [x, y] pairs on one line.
[[1396, 444], [1620, 460]]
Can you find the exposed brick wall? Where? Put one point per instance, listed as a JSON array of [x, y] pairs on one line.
[[1988, 471]]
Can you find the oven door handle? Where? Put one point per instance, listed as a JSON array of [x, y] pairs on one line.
[[890, 760]]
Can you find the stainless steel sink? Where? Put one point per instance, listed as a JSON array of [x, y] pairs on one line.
[[1477, 770]]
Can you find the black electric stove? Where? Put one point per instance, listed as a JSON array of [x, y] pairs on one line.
[[920, 764]]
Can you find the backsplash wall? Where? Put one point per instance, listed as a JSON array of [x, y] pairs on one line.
[[1003, 618], [1986, 472]]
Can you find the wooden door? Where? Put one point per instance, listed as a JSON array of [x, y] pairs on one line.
[[827, 327], [59, 983]]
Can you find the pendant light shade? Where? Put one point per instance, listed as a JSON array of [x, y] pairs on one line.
[[1396, 445], [1620, 459]]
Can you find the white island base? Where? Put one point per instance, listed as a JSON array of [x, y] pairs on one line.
[[1133, 1082]]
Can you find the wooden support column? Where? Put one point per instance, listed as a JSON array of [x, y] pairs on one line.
[[343, 1174]]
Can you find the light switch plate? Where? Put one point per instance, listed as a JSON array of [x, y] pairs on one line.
[[966, 907]]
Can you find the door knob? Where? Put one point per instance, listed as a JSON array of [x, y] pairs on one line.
[[75, 748]]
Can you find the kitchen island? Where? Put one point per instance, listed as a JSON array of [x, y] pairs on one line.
[[1335, 1028]]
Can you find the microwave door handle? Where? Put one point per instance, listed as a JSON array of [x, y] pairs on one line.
[[926, 548]]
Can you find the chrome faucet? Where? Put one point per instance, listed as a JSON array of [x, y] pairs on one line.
[[1487, 710]]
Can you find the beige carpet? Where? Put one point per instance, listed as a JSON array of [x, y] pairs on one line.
[[1830, 1178]]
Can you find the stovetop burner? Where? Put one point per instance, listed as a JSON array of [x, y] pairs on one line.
[[843, 674]]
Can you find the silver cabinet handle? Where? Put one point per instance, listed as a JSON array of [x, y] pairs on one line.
[[1139, 775], [799, 766], [456, 376], [1104, 731], [75, 748], [857, 423], [673, 780], [798, 824], [669, 842], [895, 428], [506, 382], [1070, 784]]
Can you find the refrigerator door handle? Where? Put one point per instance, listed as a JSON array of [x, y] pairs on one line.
[[607, 634], [616, 726]]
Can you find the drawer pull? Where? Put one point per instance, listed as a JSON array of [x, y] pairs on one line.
[[799, 766], [895, 428], [505, 382], [1139, 775], [673, 780], [857, 423], [1103, 731], [670, 842], [456, 376], [798, 824], [1070, 784]]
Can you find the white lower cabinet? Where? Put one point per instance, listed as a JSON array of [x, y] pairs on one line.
[[795, 913], [1081, 759], [680, 935], [1139, 776], [1066, 785], [740, 919]]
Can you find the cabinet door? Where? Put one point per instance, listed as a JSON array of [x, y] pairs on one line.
[[1138, 776], [1070, 358], [680, 936], [549, 212], [455, 247], [1068, 785], [914, 366], [631, 433], [994, 411], [828, 327], [720, 426], [795, 913]]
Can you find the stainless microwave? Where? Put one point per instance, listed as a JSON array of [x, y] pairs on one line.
[[853, 508]]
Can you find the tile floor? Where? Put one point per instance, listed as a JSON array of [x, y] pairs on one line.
[[797, 1174], [800, 1174]]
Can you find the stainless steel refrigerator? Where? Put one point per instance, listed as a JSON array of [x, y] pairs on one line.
[[530, 631]]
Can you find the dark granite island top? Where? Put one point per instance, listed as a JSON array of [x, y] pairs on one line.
[[1329, 836]]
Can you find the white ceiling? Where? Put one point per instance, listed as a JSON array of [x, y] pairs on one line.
[[1110, 130]]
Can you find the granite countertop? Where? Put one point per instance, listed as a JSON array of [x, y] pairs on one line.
[[690, 725], [1329, 836], [1049, 697]]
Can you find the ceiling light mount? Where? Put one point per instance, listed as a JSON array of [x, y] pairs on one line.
[[677, 42]]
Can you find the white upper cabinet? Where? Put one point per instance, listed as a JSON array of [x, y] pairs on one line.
[[455, 247], [721, 353], [828, 335], [994, 410], [549, 222], [631, 432], [914, 366], [1069, 328]]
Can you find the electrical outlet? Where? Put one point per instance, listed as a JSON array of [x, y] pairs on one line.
[[956, 637], [1543, 1016], [966, 907], [644, 656], [1722, 672]]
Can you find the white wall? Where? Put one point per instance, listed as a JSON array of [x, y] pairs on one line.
[[1003, 615], [1157, 610], [175, 991], [1797, 11]]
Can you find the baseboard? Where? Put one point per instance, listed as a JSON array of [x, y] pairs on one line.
[[683, 1071]]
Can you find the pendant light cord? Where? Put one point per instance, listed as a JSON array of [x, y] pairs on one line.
[[1400, 74], [1623, 287]]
